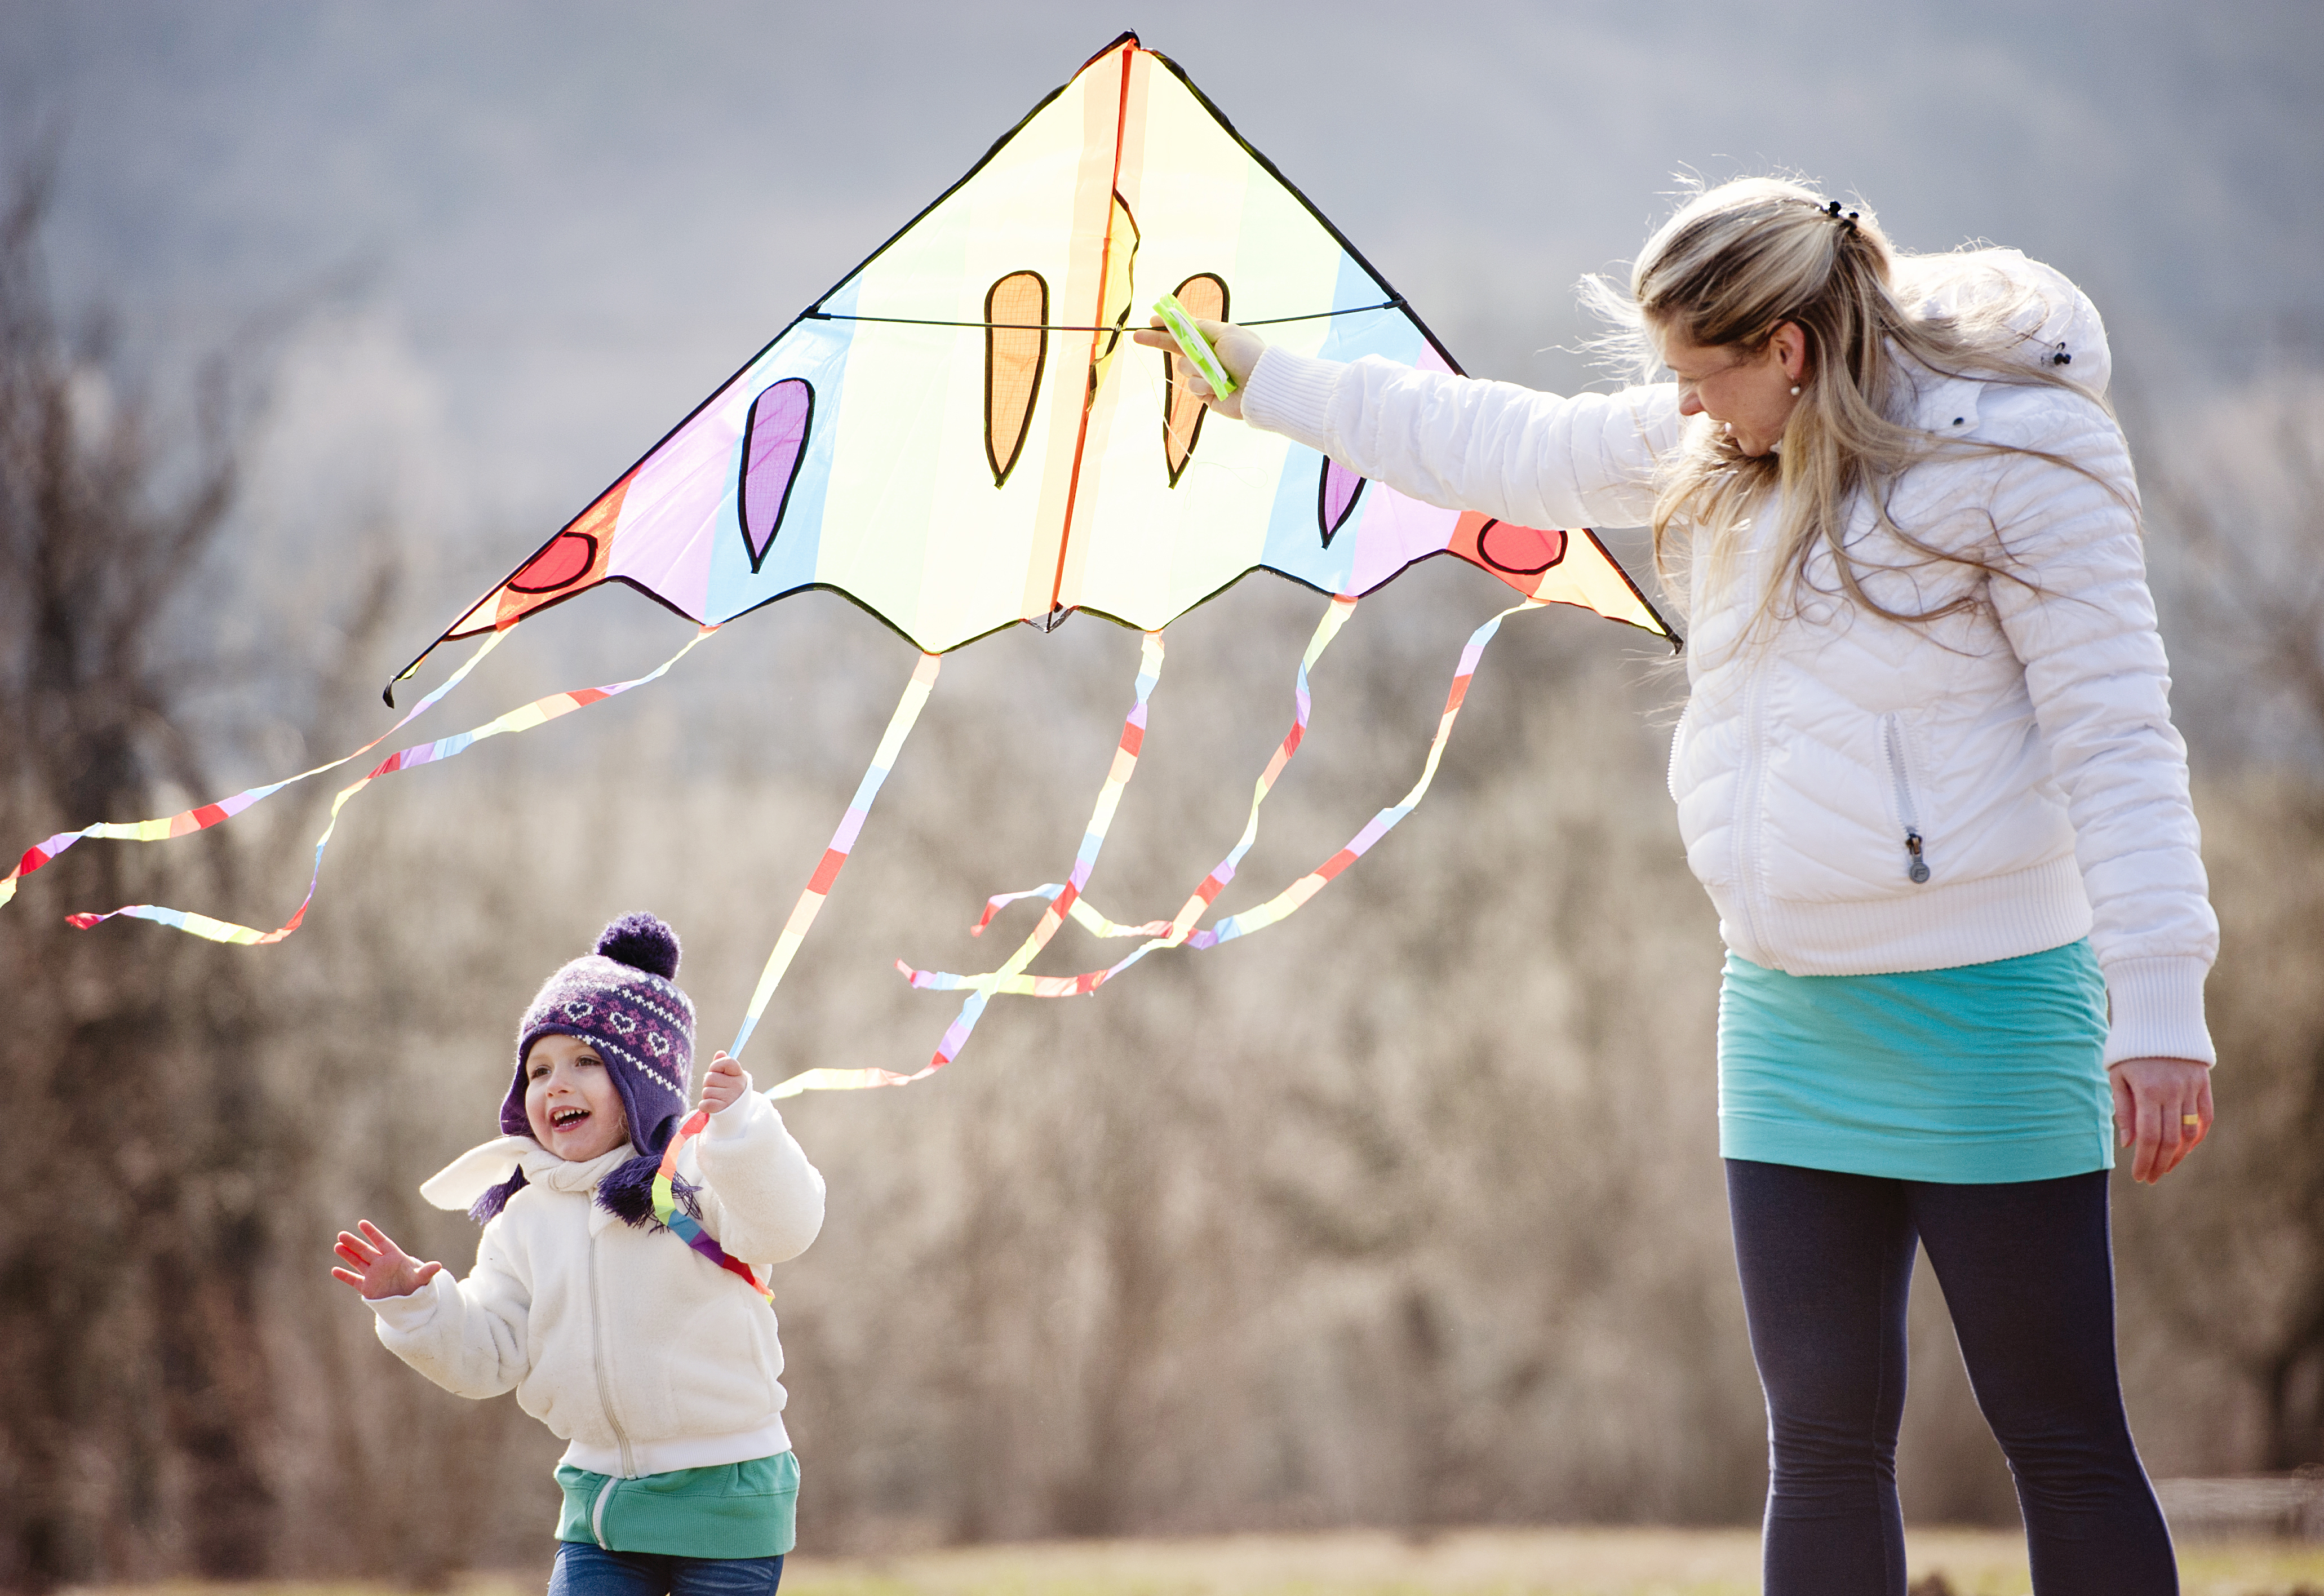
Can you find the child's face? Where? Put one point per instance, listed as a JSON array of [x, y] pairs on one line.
[[569, 1100]]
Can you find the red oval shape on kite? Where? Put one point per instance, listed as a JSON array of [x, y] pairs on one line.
[[564, 562], [1522, 552]]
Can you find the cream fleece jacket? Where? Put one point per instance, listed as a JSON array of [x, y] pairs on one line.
[[634, 1347]]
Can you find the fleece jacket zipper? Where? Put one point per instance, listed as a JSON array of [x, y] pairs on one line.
[[604, 1400]]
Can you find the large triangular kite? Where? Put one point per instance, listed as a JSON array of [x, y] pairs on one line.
[[960, 435]]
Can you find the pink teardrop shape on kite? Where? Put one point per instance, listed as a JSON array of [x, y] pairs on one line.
[[1523, 552], [564, 562], [773, 443], [1335, 498]]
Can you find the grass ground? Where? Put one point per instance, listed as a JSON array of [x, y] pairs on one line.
[[1486, 1562]]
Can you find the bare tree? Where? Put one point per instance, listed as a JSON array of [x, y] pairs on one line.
[[136, 1388]]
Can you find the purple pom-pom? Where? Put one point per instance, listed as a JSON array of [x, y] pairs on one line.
[[644, 943]]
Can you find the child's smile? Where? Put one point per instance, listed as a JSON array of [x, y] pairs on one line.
[[569, 1100]]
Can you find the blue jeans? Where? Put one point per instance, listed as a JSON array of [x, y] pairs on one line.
[[584, 1570], [1826, 1261]]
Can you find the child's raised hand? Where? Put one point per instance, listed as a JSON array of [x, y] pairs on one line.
[[382, 1269], [724, 1083]]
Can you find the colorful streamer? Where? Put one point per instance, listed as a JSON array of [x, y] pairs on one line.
[[683, 1224], [1175, 931], [980, 988], [203, 817], [827, 872], [539, 712], [1178, 931]]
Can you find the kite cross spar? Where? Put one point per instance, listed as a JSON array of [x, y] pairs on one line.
[[947, 438]]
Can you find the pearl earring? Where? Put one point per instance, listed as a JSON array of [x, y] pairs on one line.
[[1796, 390]]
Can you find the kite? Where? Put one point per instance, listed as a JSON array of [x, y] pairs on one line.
[[961, 435]]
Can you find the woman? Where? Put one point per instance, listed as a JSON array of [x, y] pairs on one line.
[[1927, 773]]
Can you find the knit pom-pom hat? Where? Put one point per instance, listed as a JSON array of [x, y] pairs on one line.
[[625, 1002]]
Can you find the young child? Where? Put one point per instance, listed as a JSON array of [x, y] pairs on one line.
[[653, 1357]]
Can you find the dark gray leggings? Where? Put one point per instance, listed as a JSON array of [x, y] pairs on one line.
[[1827, 1262]]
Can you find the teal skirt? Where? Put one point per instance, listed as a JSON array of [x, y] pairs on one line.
[[746, 1509], [1975, 1075]]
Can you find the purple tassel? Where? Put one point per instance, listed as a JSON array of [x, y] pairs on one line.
[[627, 1193], [487, 1208]]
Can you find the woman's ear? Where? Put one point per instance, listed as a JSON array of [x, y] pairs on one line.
[[1791, 344]]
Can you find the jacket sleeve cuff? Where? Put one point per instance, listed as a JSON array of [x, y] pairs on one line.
[[749, 1113], [1291, 395], [2157, 1010], [401, 1315]]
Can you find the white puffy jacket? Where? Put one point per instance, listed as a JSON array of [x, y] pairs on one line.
[[2026, 742], [635, 1349]]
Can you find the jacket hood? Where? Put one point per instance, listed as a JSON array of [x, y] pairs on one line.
[[2054, 318]]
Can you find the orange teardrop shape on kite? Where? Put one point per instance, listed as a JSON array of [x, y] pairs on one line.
[[1016, 348], [1204, 296]]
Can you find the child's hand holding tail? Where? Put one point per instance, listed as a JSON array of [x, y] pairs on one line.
[[382, 1269], [1238, 349], [722, 1084]]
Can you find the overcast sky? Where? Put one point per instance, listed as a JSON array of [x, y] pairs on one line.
[[565, 223]]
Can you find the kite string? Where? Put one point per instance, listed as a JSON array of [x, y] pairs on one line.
[[205, 816], [1059, 326], [539, 712], [1289, 900], [843, 842]]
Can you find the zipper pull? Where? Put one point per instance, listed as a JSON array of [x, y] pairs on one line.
[[1919, 868]]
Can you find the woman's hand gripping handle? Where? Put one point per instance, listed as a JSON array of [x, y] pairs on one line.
[[1237, 348]]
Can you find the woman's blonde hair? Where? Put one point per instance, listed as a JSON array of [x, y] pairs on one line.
[[1733, 266]]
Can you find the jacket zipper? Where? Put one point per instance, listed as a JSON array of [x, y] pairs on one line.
[[1892, 742], [597, 1361]]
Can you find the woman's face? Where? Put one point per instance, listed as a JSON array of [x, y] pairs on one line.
[[1751, 395], [569, 1100]]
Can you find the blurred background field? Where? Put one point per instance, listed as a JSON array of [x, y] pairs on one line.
[[1469, 1563], [1401, 1221]]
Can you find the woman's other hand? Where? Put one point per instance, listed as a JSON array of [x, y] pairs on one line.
[[2163, 1106], [1237, 348], [382, 1269]]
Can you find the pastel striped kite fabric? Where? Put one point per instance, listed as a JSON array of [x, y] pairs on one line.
[[960, 435]]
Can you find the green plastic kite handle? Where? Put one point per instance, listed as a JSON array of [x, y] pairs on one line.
[[1193, 345]]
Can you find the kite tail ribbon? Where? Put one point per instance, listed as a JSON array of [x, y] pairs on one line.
[[683, 1224], [980, 988], [205, 816], [818, 887], [538, 713], [1174, 931], [1288, 902]]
